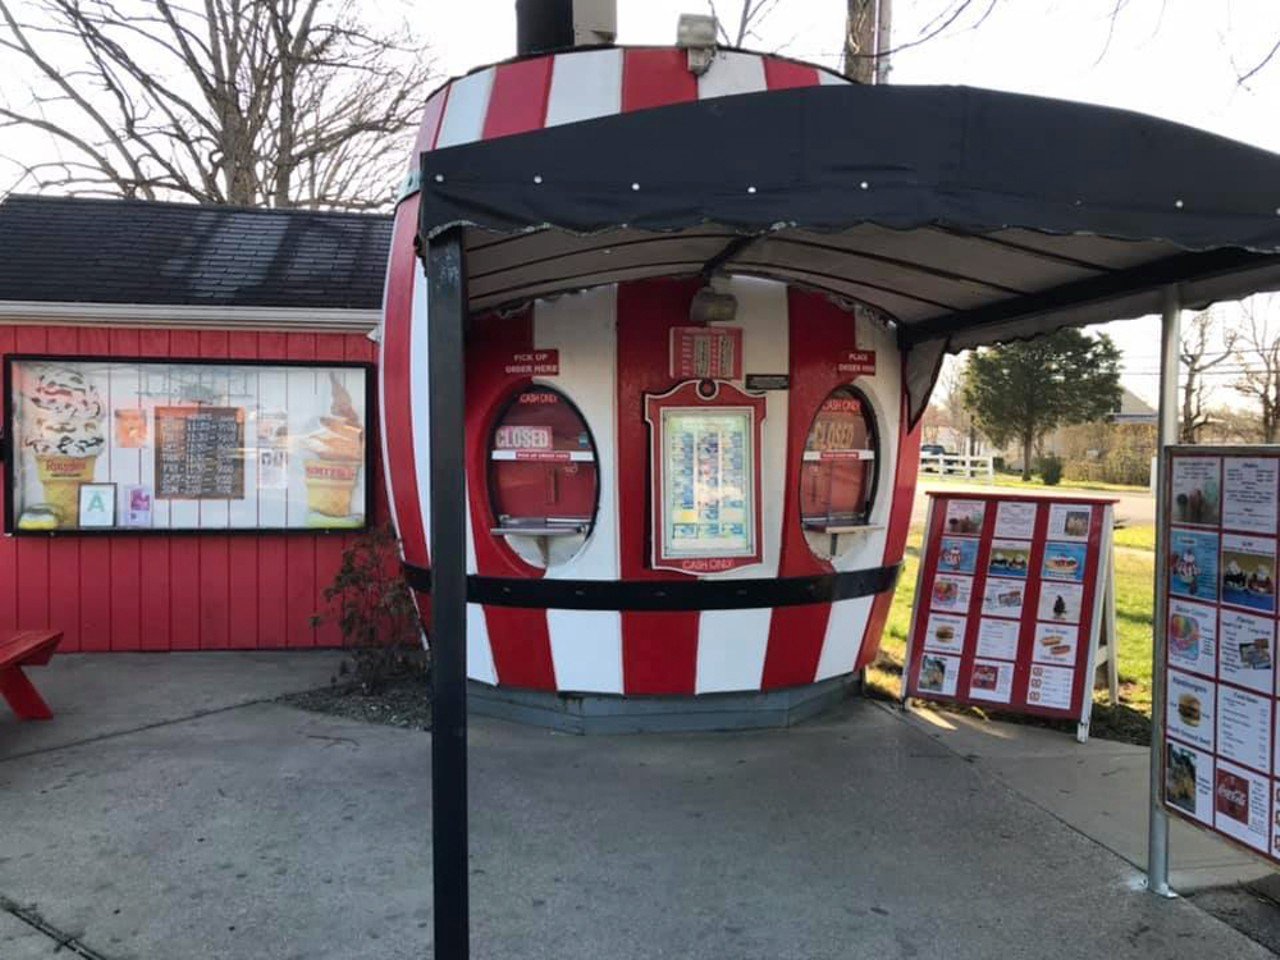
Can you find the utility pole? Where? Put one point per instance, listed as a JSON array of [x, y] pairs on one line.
[[866, 41], [884, 18]]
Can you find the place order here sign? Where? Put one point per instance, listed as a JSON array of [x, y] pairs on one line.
[[1008, 603], [1221, 750]]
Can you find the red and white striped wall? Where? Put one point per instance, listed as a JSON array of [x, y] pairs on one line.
[[613, 349]]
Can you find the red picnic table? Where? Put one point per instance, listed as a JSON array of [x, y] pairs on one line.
[[26, 648]]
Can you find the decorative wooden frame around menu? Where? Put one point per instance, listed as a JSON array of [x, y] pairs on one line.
[[1096, 613], [695, 397], [1230, 781]]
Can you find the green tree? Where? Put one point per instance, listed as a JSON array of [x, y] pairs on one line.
[[1021, 391]]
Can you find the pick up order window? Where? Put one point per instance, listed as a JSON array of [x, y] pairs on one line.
[[185, 446], [837, 475]]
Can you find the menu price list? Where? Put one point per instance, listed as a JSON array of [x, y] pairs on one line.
[[1006, 599], [1222, 743]]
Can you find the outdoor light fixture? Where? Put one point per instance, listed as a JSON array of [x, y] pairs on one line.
[[711, 306], [696, 34]]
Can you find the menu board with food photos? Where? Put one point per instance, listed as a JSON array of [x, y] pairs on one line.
[[1221, 749], [1010, 603]]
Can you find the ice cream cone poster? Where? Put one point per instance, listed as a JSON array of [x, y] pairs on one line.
[[62, 439], [332, 471]]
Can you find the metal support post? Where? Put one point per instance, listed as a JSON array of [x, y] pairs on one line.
[[446, 323], [1167, 433]]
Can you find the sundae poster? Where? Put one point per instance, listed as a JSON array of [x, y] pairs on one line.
[[1248, 572], [958, 555], [1193, 565]]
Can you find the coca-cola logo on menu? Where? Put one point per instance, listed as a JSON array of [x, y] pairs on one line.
[[1232, 795]]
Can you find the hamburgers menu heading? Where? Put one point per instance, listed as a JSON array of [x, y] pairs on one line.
[[1221, 751], [1008, 610]]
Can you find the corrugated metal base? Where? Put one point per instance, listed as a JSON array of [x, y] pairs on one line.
[[607, 713]]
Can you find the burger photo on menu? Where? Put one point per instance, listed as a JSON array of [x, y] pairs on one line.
[[1064, 561]]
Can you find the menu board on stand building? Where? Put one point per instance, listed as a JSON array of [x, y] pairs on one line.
[[1010, 600], [1221, 751]]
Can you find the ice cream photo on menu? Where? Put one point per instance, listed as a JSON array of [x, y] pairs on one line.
[[63, 436], [333, 472]]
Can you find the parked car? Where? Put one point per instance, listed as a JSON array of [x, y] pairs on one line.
[[933, 450]]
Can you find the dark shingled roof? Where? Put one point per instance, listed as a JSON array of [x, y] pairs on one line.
[[66, 249]]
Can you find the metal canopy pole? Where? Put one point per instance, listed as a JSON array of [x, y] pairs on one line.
[[1167, 433], [446, 322]]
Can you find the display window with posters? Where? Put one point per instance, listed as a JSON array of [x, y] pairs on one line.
[[188, 446], [544, 486], [705, 458], [838, 470]]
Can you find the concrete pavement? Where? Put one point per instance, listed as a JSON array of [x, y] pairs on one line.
[[257, 830], [1098, 788]]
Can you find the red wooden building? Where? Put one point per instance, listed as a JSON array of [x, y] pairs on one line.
[[141, 343]]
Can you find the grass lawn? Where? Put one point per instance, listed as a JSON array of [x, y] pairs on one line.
[[1015, 481], [1135, 566]]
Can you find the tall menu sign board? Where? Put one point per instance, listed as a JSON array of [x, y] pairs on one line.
[[1221, 753], [1010, 602]]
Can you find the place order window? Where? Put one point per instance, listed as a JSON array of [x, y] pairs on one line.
[[838, 471], [185, 446]]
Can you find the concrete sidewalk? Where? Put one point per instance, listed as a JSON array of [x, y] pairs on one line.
[[255, 830], [1099, 788]]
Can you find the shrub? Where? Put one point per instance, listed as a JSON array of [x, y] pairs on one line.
[[1051, 470], [372, 606]]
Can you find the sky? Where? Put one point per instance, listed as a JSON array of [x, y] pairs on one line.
[[1178, 59]]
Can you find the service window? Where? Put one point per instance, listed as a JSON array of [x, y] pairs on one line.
[[838, 475], [543, 481]]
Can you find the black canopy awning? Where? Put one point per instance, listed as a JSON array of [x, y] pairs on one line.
[[967, 216]]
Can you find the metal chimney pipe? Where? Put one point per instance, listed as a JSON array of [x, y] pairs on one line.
[[543, 26]]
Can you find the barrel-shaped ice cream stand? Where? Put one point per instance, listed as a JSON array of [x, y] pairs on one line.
[[684, 476]]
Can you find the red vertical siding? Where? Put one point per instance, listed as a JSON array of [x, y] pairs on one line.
[[173, 592], [155, 589], [301, 589]]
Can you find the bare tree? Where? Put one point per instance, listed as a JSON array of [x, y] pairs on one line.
[[1257, 349], [746, 22], [249, 102], [1203, 347]]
